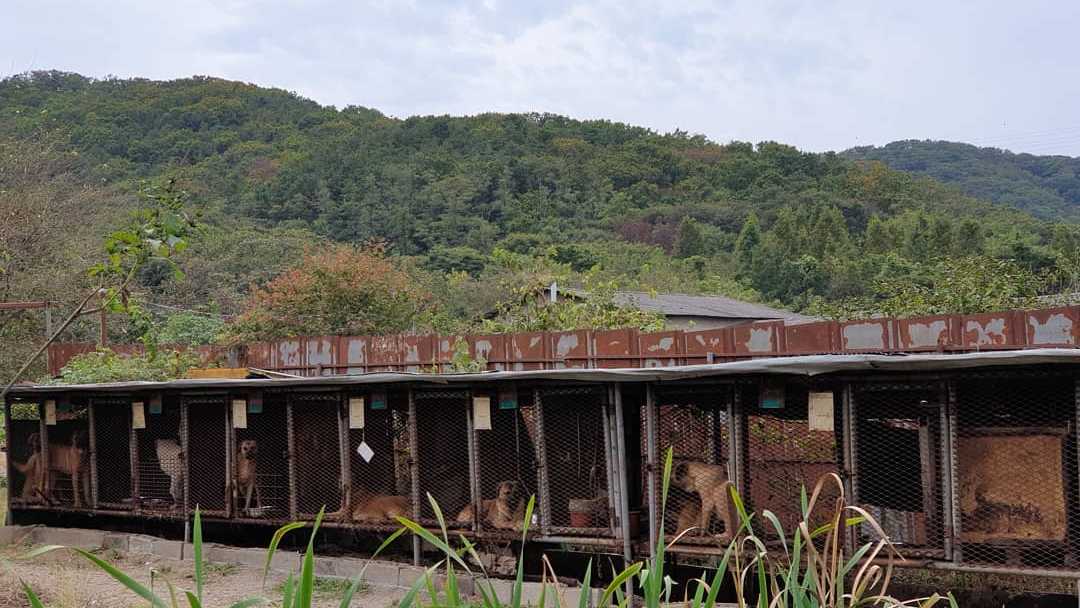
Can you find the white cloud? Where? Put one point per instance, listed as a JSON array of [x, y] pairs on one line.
[[820, 75]]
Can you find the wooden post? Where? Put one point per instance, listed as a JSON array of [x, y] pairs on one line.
[[91, 414]]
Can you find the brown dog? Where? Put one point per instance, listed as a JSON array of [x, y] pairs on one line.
[[377, 507], [504, 511], [710, 483], [247, 484], [69, 459], [33, 489]]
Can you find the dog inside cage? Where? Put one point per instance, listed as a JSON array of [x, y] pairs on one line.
[[316, 428], [442, 443], [67, 476], [506, 447], [694, 425], [261, 459], [112, 430], [162, 465], [1016, 471], [26, 473], [576, 443], [207, 445], [379, 453], [898, 461]]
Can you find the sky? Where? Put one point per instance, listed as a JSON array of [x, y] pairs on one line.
[[820, 75]]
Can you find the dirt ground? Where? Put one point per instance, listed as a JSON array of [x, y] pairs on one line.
[[64, 580]]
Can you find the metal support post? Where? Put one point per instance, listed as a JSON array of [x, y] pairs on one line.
[[414, 473], [651, 466]]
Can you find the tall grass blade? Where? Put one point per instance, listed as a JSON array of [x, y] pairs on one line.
[[519, 577], [121, 577], [275, 540], [586, 587], [409, 599], [287, 592], [307, 570], [197, 542], [435, 541], [248, 603], [616, 584], [35, 601]]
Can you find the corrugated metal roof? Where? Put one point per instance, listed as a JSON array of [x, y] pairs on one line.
[[814, 365], [680, 304]]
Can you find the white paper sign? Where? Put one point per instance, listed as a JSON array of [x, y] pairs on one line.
[[481, 413], [50, 412], [138, 415], [356, 412], [821, 412], [239, 413], [365, 451]]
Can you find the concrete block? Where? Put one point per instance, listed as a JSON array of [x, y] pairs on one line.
[[141, 544], [326, 566], [170, 549], [381, 574], [117, 541], [407, 575], [69, 537], [13, 535]]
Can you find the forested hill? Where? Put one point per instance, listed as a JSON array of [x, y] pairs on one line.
[[273, 171], [1046, 186]]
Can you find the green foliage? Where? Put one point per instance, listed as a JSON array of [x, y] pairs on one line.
[[595, 308], [191, 329], [107, 366]]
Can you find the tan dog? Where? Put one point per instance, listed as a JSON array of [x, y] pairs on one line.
[[708, 481], [504, 511], [33, 489], [247, 484], [377, 507], [68, 459]]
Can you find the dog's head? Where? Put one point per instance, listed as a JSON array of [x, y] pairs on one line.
[[507, 490], [680, 476], [249, 449]]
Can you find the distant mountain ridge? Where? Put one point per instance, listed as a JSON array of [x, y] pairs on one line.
[[1045, 186]]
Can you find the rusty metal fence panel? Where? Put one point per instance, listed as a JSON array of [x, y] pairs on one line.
[[379, 459], [898, 463], [694, 423], [507, 461], [442, 454], [111, 457], [1016, 471], [576, 438]]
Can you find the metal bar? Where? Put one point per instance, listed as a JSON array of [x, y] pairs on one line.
[[949, 495], [1076, 442], [344, 453], [741, 439], [624, 493], [474, 471], [7, 433], [847, 414], [133, 455], [92, 430], [541, 456], [414, 473], [612, 482], [230, 459], [651, 464], [290, 433], [185, 457], [43, 430]]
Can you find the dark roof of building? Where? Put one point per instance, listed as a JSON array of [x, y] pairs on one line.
[[685, 305]]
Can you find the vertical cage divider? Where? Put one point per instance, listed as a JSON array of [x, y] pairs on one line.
[[7, 433], [739, 442], [290, 432], [230, 462], [651, 465], [950, 499], [133, 455], [624, 493], [1076, 439], [475, 497], [185, 456], [848, 426], [93, 460], [43, 431], [345, 455], [612, 481], [414, 473], [541, 456]]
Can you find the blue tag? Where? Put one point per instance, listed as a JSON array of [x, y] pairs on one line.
[[155, 407], [254, 407], [378, 401]]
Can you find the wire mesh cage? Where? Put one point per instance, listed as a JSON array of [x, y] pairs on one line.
[[161, 469], [25, 473], [1016, 471], [316, 422], [576, 439], [898, 463], [207, 450], [788, 450], [694, 423], [379, 474], [260, 458], [112, 453], [507, 461], [442, 447]]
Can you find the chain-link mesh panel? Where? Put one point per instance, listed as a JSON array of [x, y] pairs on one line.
[[112, 452], [25, 472], [162, 466], [316, 425], [898, 464], [207, 448], [1016, 471], [576, 444], [784, 455], [693, 423], [379, 461], [507, 464], [442, 435], [260, 462]]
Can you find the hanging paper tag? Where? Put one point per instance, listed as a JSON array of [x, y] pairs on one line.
[[50, 412], [356, 412], [481, 413], [138, 415], [378, 401], [155, 407], [365, 451], [821, 412], [508, 398], [239, 413]]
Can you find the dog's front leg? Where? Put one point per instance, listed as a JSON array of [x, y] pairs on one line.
[[247, 494]]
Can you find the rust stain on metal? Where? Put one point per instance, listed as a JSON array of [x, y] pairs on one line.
[[865, 335], [985, 332], [924, 334], [1055, 328]]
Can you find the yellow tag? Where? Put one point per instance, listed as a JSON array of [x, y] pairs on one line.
[[138, 415], [239, 413], [481, 413], [821, 412], [50, 411], [356, 412]]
